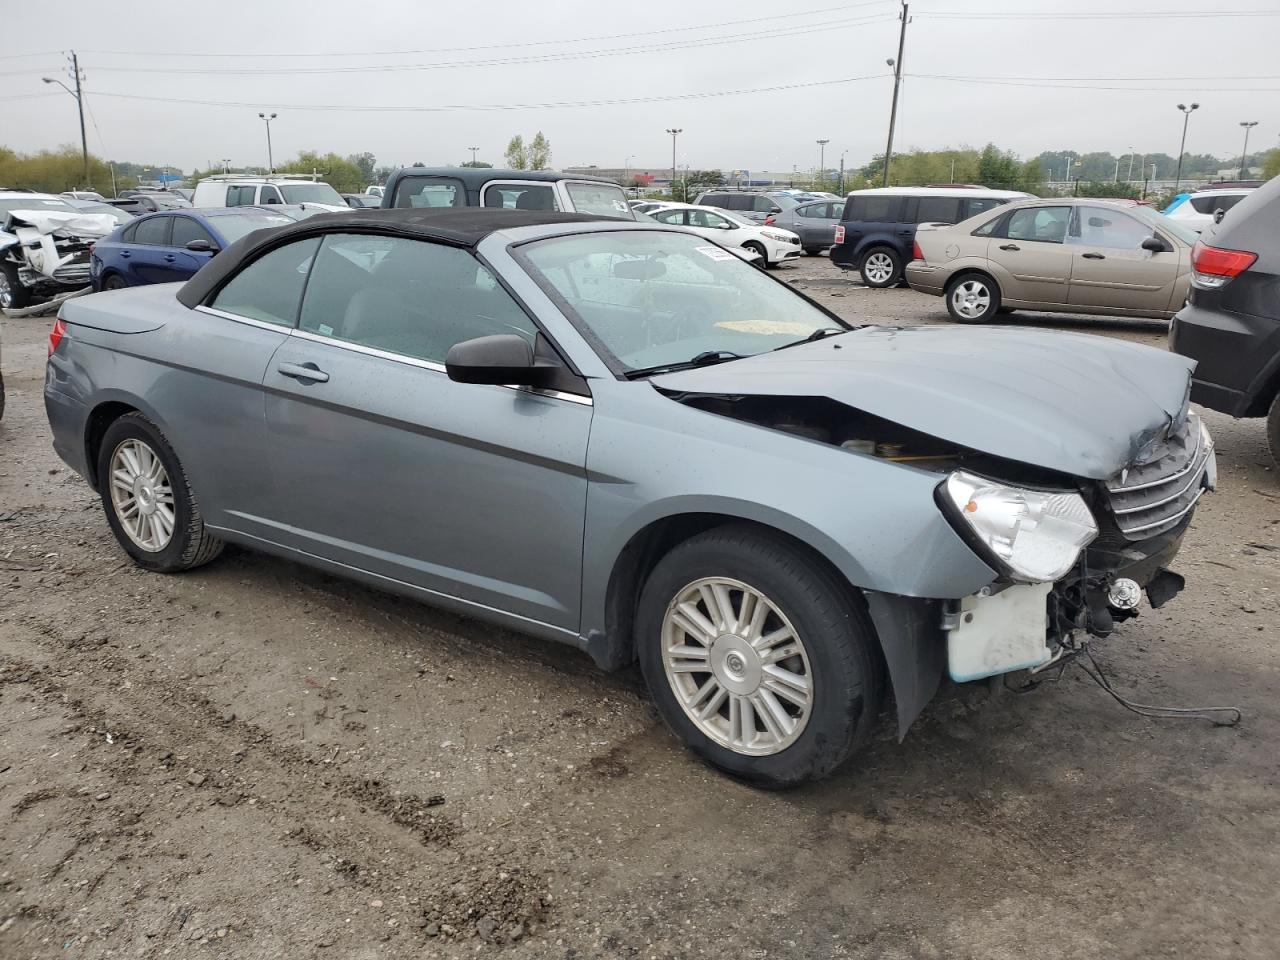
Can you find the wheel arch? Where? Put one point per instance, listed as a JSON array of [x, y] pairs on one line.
[[104, 413]]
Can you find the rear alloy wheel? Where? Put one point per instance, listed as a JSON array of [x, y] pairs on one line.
[[757, 656], [972, 298], [12, 294], [149, 504], [881, 268], [1273, 430]]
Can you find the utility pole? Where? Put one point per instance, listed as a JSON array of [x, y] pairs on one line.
[[79, 95], [1182, 148], [1129, 177], [675, 132], [1244, 155], [897, 81], [953, 169], [271, 163], [822, 160], [842, 173]]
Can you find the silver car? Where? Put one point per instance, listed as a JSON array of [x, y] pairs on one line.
[[622, 437], [815, 223]]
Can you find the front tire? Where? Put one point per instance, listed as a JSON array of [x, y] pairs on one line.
[[148, 501], [881, 268], [758, 656], [758, 248], [972, 298], [13, 295]]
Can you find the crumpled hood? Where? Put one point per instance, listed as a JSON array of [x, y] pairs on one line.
[[1079, 404], [60, 223]]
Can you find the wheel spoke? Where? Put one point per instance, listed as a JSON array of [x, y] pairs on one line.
[[772, 714], [712, 706], [784, 676], [785, 692], [130, 459], [121, 479], [725, 618], [775, 638], [165, 519], [690, 619]]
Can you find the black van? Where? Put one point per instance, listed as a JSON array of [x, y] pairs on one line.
[[878, 229], [1231, 323]]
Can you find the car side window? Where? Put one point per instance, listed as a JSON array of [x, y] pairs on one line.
[[938, 210], [409, 297], [875, 209], [239, 196], [520, 196], [186, 229], [989, 228], [270, 288], [1103, 227], [763, 204], [1039, 224], [705, 218], [976, 205], [270, 194], [837, 210], [153, 231], [669, 216]]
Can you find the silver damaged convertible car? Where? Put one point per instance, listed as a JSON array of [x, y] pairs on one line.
[[622, 437]]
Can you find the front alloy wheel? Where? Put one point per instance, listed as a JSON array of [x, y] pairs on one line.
[[737, 666]]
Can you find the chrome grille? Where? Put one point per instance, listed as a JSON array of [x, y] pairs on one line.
[[1155, 496]]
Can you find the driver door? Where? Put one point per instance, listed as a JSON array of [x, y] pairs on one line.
[[384, 464]]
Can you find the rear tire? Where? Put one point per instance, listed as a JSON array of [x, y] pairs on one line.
[[149, 503], [1273, 430], [830, 648], [12, 294], [972, 298], [881, 268], [113, 281]]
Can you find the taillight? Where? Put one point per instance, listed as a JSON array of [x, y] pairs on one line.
[[840, 234], [916, 252], [1213, 267], [56, 334], [769, 220]]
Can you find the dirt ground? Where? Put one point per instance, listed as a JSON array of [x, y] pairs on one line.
[[256, 760]]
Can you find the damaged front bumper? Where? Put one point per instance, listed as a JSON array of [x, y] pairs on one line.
[[50, 250]]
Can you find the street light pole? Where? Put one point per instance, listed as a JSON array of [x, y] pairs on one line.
[[474, 151], [897, 81], [822, 160], [271, 163], [1186, 116], [79, 97], [226, 164], [1129, 176], [1244, 154], [675, 132]]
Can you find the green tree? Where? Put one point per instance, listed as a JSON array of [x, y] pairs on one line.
[[1271, 165], [516, 154], [539, 152], [478, 164], [694, 182], [998, 169], [53, 171], [366, 162], [343, 175], [1106, 188]]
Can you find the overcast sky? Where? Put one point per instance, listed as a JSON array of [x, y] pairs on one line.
[[296, 45]]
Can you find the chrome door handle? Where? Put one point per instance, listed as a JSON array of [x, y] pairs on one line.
[[303, 371], [125, 254], [1093, 256], [1009, 246]]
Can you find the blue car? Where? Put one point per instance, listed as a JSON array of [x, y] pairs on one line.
[[172, 245]]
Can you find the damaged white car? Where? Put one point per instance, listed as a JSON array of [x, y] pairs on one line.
[[44, 246]]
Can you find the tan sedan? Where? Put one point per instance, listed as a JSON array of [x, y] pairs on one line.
[[1070, 255]]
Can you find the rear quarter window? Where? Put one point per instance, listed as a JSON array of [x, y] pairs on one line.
[[872, 209]]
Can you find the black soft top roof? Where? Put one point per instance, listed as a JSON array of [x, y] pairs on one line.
[[475, 177], [459, 226]]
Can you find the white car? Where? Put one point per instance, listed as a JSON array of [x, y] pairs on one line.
[[1196, 211], [374, 190], [44, 246], [234, 190], [773, 244]]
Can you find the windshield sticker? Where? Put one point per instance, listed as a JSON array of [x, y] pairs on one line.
[[767, 328], [715, 253], [621, 206]]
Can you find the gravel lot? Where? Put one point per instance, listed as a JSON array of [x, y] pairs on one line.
[[256, 760]]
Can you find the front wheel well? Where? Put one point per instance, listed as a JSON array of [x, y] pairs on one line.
[[96, 426], [641, 554]]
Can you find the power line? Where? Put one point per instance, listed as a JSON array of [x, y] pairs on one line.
[[1178, 84], [502, 46], [45, 53], [447, 108], [1098, 15], [29, 96], [508, 61], [29, 71]]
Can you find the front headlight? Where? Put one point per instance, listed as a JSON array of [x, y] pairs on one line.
[[780, 237], [1035, 535]]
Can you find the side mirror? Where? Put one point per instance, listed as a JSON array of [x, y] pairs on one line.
[[201, 246], [503, 358], [1154, 244], [775, 209]]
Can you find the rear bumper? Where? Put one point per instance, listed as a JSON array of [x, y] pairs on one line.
[[67, 424], [1227, 348], [925, 278]]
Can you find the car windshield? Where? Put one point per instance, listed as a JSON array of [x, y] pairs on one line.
[[660, 299], [10, 204], [120, 216], [311, 193], [601, 199], [233, 226]]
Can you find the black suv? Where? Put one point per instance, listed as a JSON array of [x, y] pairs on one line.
[[878, 230], [1231, 323]]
